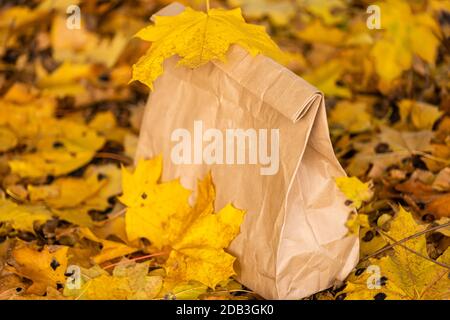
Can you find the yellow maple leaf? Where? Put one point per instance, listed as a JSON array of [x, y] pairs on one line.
[[22, 217], [94, 189], [405, 34], [317, 32], [421, 115], [403, 274], [62, 147], [129, 281], [105, 123], [155, 211], [194, 238], [45, 268], [326, 78], [26, 119], [351, 116], [279, 12], [8, 139], [82, 46], [197, 38], [330, 11], [78, 216], [17, 17], [60, 193], [110, 249], [355, 190], [66, 80]]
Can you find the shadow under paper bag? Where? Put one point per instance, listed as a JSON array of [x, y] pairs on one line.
[[293, 241]]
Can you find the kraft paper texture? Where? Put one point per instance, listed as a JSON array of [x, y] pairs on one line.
[[293, 241]]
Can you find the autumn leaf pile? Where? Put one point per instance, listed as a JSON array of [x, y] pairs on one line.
[[79, 221]]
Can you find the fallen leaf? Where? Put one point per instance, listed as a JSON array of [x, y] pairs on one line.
[[199, 37], [110, 249], [8, 139], [442, 180], [327, 10], [404, 275], [440, 207], [194, 238], [61, 193], [405, 34], [355, 190], [421, 115], [63, 147], [351, 116], [317, 32], [45, 268], [66, 80], [129, 281], [326, 78], [279, 12], [22, 217]]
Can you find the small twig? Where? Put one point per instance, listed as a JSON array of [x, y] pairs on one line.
[[231, 291], [13, 195], [418, 234], [83, 292], [117, 214], [184, 291], [7, 293], [429, 156], [444, 265], [107, 155], [158, 254]]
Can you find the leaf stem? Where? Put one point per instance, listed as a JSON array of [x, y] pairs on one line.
[[418, 234], [157, 254], [444, 265], [207, 6], [113, 156]]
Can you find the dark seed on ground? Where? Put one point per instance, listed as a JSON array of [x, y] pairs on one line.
[[383, 281], [368, 236], [360, 271], [58, 144], [428, 217], [382, 148], [101, 176], [380, 296], [26, 236], [418, 163], [341, 296]]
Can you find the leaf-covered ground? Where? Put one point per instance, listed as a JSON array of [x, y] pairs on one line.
[[73, 223]]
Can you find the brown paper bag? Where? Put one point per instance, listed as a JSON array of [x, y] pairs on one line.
[[262, 132]]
